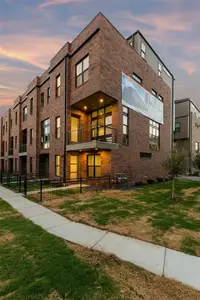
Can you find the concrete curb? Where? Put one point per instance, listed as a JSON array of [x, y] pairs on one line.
[[156, 259]]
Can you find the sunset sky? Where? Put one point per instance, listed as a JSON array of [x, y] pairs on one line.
[[32, 31]]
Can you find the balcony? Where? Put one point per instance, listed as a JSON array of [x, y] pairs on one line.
[[92, 137], [23, 149], [10, 152]]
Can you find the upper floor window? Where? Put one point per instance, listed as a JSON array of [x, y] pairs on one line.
[[197, 147], [143, 50], [42, 99], [3, 129], [57, 127], [125, 125], [45, 134], [25, 113], [177, 128], [15, 142], [16, 117], [137, 78], [31, 106], [160, 98], [48, 95], [154, 92], [58, 86], [6, 126], [102, 124], [154, 135], [159, 69], [82, 71], [31, 136]]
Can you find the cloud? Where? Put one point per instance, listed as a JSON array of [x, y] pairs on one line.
[[6, 68], [188, 66], [59, 2], [4, 87], [77, 21]]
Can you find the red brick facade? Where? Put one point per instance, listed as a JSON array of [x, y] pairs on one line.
[[109, 55]]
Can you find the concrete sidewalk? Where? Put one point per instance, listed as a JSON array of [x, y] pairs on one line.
[[156, 259]]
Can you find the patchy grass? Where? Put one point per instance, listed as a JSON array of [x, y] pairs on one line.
[[36, 265], [147, 213]]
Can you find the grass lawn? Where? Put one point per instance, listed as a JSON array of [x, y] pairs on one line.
[[36, 265], [146, 213]]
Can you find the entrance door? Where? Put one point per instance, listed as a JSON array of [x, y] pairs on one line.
[[74, 166], [75, 126]]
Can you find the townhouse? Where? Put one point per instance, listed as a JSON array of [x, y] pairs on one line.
[[99, 109]]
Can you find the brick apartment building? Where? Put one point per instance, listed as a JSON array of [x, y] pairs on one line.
[[71, 121], [187, 128]]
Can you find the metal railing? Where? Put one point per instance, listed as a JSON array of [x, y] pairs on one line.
[[23, 148], [89, 133]]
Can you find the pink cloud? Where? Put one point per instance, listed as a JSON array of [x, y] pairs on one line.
[[6, 68], [188, 66], [59, 2]]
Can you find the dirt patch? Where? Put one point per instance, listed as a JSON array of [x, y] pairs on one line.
[[4, 283], [194, 214], [173, 240], [191, 191], [160, 191], [136, 283], [54, 296], [7, 237]]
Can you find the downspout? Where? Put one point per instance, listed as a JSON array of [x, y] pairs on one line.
[[65, 114], [173, 114]]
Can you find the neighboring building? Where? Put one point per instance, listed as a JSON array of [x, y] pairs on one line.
[[72, 122], [187, 128]]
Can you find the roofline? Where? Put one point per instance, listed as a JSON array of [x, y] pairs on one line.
[[138, 31], [187, 99]]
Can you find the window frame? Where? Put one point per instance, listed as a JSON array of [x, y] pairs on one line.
[[83, 71], [42, 99], [154, 126], [25, 114], [16, 118], [16, 142], [31, 106], [137, 78], [45, 144], [58, 86], [31, 136], [57, 166], [94, 166], [106, 136], [48, 94], [179, 127], [154, 93], [57, 129]]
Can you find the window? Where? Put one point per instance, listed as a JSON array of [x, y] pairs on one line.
[[82, 71], [197, 147], [57, 127], [143, 50], [154, 92], [3, 129], [159, 69], [125, 125], [42, 99], [137, 78], [6, 126], [57, 165], [15, 142], [94, 165], [102, 124], [75, 129], [177, 128], [16, 169], [25, 113], [58, 86], [16, 117], [31, 106], [31, 164], [145, 155], [45, 134], [154, 135], [31, 136], [74, 166], [6, 146], [160, 98], [48, 95]]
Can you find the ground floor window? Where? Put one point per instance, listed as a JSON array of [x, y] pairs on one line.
[[94, 165], [57, 161], [73, 166], [16, 169]]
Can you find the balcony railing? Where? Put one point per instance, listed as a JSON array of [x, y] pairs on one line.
[[23, 148], [86, 134], [10, 151]]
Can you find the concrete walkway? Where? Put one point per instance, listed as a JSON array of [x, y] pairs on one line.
[[194, 178], [156, 259]]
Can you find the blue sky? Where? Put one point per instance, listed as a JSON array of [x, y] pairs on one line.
[[32, 31]]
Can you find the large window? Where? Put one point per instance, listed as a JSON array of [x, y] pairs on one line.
[[31, 106], [57, 165], [94, 165], [197, 147], [58, 86], [25, 113], [143, 50], [125, 125], [31, 136], [154, 135], [177, 128], [102, 124], [57, 128], [45, 134], [82, 71]]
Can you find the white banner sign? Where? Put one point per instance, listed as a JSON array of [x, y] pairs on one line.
[[137, 98]]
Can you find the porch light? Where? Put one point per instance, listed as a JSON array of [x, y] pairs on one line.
[[80, 150], [101, 100], [96, 149], [85, 107]]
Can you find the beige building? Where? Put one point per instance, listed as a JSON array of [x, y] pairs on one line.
[[187, 128]]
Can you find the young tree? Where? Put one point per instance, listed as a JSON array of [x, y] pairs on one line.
[[197, 161], [176, 164]]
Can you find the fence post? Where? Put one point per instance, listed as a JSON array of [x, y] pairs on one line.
[[81, 185], [25, 185], [20, 184], [41, 190]]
